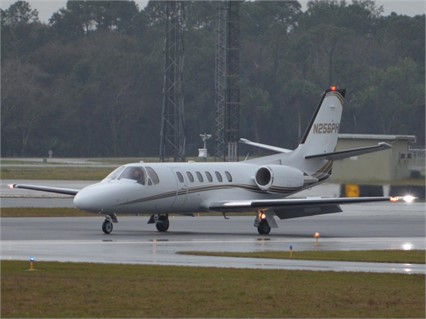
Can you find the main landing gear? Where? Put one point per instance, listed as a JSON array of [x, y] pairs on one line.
[[107, 225], [264, 221], [263, 228], [161, 222]]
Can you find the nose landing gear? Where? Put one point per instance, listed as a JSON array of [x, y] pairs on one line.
[[107, 225]]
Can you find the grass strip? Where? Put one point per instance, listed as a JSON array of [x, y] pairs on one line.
[[82, 172], [381, 256], [64, 290], [55, 173], [87, 172]]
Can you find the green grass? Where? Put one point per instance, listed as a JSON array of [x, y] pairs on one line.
[[64, 290], [19, 169], [383, 256], [55, 173]]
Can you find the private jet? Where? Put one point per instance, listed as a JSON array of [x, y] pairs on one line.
[[261, 185]]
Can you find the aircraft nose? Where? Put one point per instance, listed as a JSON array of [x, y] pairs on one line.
[[105, 197], [85, 201]]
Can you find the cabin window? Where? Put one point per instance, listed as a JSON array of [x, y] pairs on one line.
[[219, 177], [209, 177], [228, 176], [179, 176], [200, 177], [190, 177], [152, 175]]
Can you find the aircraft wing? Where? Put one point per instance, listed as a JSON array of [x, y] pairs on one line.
[[295, 207], [57, 190]]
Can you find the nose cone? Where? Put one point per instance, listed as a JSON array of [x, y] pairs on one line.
[[96, 198], [107, 197], [85, 200]]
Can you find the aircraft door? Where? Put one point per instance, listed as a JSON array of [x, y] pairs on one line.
[[181, 189]]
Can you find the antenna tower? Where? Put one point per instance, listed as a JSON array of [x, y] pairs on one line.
[[227, 67], [172, 135]]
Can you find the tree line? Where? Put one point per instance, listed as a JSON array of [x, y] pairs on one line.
[[89, 82]]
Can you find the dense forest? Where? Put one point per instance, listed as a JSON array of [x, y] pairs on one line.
[[89, 82]]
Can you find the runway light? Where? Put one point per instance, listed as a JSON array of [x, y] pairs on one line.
[[408, 198], [317, 236], [407, 246], [32, 260]]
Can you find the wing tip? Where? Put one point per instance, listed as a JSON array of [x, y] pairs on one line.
[[406, 198]]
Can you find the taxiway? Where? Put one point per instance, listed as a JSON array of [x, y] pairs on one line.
[[360, 227]]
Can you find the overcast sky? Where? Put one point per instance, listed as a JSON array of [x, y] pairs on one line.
[[47, 7]]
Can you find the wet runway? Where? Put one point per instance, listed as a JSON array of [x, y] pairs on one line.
[[360, 227]]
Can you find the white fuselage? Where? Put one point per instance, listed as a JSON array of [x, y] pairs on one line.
[[177, 187]]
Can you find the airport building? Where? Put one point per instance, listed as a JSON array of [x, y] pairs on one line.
[[383, 167]]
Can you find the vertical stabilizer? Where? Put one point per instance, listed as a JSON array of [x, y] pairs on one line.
[[320, 138], [321, 135]]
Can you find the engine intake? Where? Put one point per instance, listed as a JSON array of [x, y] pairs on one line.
[[278, 178]]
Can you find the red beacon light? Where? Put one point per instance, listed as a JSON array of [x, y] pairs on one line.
[[333, 88]]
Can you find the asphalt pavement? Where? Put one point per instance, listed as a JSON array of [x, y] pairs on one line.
[[359, 227]]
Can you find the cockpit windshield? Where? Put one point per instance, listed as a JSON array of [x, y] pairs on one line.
[[141, 174], [114, 174], [136, 173]]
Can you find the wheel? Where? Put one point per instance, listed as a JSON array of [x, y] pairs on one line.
[[264, 228], [162, 223], [107, 226]]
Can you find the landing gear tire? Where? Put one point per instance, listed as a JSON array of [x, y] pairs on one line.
[[264, 228], [162, 223], [107, 226]]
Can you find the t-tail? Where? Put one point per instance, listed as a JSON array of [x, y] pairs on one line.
[[316, 152], [321, 135]]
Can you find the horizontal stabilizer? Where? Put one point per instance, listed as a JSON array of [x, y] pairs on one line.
[[334, 156], [265, 146], [57, 190]]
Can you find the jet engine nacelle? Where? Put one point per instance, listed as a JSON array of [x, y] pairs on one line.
[[278, 178]]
